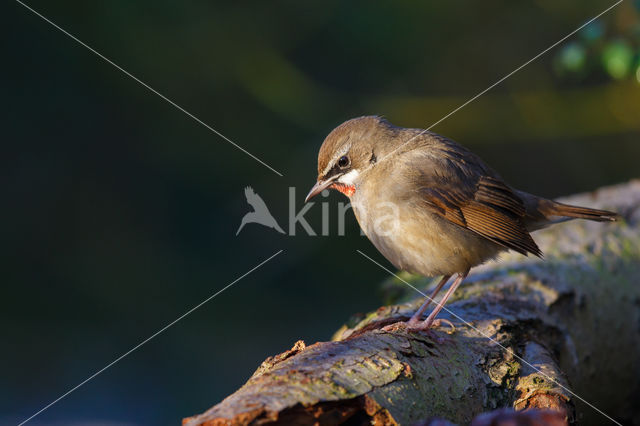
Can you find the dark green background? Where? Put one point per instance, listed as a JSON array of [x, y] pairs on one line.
[[119, 212]]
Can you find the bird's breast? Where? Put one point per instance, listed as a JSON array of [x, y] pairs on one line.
[[417, 241]]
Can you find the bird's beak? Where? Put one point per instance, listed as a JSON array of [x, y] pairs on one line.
[[320, 186]]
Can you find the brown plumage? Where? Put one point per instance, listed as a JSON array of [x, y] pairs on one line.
[[430, 205]]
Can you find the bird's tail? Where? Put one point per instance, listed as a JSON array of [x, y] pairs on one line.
[[568, 211], [277, 227], [542, 212]]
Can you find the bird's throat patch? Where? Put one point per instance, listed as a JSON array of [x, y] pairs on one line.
[[347, 190]]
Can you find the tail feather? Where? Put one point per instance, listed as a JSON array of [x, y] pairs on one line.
[[542, 212], [566, 210]]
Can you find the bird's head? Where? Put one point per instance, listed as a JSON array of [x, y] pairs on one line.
[[348, 151]]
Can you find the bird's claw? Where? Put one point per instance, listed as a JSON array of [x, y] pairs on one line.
[[395, 326], [413, 325], [435, 324]]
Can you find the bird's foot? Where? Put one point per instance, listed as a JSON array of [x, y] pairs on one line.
[[429, 325], [417, 325], [395, 326]]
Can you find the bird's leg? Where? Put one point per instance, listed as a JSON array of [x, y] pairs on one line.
[[415, 319], [428, 323]]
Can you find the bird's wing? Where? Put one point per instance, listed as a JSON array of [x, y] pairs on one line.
[[249, 194], [466, 192], [255, 200]]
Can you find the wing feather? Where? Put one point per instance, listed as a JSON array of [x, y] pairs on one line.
[[473, 196]]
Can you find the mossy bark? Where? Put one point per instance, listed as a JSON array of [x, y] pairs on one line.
[[560, 334]]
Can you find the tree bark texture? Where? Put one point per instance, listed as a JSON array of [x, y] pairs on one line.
[[561, 334]]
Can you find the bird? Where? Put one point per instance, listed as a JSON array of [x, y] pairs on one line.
[[431, 206], [260, 213]]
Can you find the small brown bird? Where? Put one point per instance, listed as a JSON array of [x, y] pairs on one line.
[[429, 205]]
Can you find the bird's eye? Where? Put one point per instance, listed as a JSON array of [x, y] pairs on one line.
[[343, 161]]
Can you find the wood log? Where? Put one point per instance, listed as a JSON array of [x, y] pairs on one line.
[[560, 334]]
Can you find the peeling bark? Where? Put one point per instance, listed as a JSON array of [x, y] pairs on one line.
[[539, 333]]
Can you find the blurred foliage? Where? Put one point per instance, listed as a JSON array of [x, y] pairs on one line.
[[600, 55], [120, 212]]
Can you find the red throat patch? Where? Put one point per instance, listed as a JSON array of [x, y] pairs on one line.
[[347, 190]]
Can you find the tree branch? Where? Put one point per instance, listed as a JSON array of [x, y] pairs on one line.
[[538, 334]]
